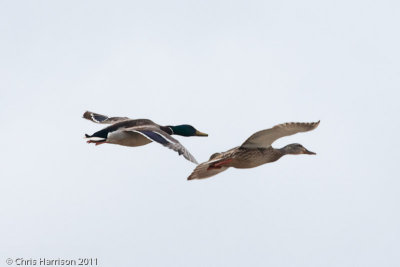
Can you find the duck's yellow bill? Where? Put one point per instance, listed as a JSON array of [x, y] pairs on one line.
[[198, 133]]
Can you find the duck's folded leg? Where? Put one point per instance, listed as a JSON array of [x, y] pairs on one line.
[[96, 142]]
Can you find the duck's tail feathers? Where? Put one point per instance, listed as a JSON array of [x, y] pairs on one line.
[[206, 170]]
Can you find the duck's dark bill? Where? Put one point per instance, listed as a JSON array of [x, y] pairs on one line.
[[198, 133], [309, 152]]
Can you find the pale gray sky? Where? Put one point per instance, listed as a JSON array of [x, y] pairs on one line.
[[229, 68]]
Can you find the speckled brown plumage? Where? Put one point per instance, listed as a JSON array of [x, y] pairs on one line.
[[255, 151]]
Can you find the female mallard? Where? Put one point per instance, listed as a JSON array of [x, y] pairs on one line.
[[128, 132], [255, 151]]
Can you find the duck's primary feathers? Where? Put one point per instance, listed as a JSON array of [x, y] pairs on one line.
[[128, 132], [255, 151]]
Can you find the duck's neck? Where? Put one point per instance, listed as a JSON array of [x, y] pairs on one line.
[[273, 154], [167, 129], [283, 151]]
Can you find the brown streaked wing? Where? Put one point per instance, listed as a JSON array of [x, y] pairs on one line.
[[265, 138], [203, 170]]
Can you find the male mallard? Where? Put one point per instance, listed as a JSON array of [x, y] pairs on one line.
[[128, 132], [255, 151]]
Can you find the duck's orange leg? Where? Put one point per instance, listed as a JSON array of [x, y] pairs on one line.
[[100, 143], [96, 142]]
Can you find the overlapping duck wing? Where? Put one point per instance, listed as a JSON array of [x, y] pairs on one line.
[[98, 118], [265, 138], [154, 133]]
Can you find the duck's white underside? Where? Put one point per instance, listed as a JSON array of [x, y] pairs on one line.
[[127, 138]]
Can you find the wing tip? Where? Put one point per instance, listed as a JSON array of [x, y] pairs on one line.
[[189, 157], [89, 115], [289, 124], [86, 115]]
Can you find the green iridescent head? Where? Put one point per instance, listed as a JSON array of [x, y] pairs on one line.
[[186, 130]]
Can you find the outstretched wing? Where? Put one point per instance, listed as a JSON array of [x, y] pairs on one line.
[[265, 138], [159, 136], [98, 118]]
